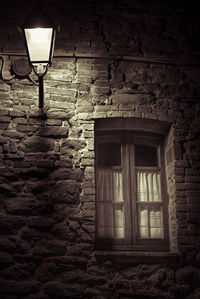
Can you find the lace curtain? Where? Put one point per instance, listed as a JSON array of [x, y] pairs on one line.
[[110, 207], [150, 219]]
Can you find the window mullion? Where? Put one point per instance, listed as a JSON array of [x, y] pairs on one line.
[[113, 210], [127, 191], [133, 189], [148, 220]]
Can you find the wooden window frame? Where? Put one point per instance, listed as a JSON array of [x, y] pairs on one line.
[[131, 242]]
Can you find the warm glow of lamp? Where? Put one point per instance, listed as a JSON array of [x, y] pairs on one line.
[[39, 44], [39, 33]]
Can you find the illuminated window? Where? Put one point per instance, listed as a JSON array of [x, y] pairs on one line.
[[131, 203]]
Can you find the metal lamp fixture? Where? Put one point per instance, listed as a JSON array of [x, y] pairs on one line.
[[39, 33]]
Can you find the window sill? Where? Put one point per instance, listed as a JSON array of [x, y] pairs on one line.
[[138, 257]]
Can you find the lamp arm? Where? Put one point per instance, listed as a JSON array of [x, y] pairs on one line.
[[2, 71], [41, 91], [30, 77]]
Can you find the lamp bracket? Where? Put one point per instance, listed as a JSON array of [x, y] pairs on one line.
[[40, 69], [2, 76]]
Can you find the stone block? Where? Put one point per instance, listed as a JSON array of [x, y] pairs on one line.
[[99, 90], [5, 112], [74, 144], [50, 248], [87, 162], [62, 232], [84, 106], [37, 144], [75, 132], [64, 162], [192, 179], [10, 147], [41, 223], [179, 178], [37, 121], [28, 234], [67, 174], [21, 288], [59, 114], [188, 275], [28, 206], [49, 164], [177, 151], [7, 244], [179, 171], [46, 272], [17, 113], [54, 122], [194, 207], [66, 191], [102, 108], [26, 129], [20, 120], [5, 260], [126, 99], [10, 224], [5, 119], [56, 289], [4, 126], [23, 164], [4, 97], [182, 163], [192, 186], [88, 134], [54, 131]]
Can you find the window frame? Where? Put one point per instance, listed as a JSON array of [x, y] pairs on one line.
[[131, 242]]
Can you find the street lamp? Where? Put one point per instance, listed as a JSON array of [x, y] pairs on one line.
[[39, 33]]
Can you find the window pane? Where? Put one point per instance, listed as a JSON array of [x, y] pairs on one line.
[[109, 154], [156, 222], [145, 155], [105, 220], [143, 223], [110, 205], [148, 186], [119, 220], [150, 222]]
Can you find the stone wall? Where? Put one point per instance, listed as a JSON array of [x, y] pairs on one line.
[[120, 59]]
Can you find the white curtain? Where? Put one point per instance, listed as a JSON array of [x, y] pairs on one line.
[[150, 217], [148, 186], [110, 208]]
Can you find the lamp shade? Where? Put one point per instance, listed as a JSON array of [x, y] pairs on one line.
[[39, 32]]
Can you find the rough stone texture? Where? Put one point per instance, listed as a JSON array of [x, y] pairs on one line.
[[125, 59]]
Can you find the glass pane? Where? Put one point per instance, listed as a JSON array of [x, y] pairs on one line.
[[145, 155], [143, 226], [105, 220], [148, 186], [110, 205], [150, 222], [39, 43], [118, 221], [156, 222], [109, 186], [109, 154]]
